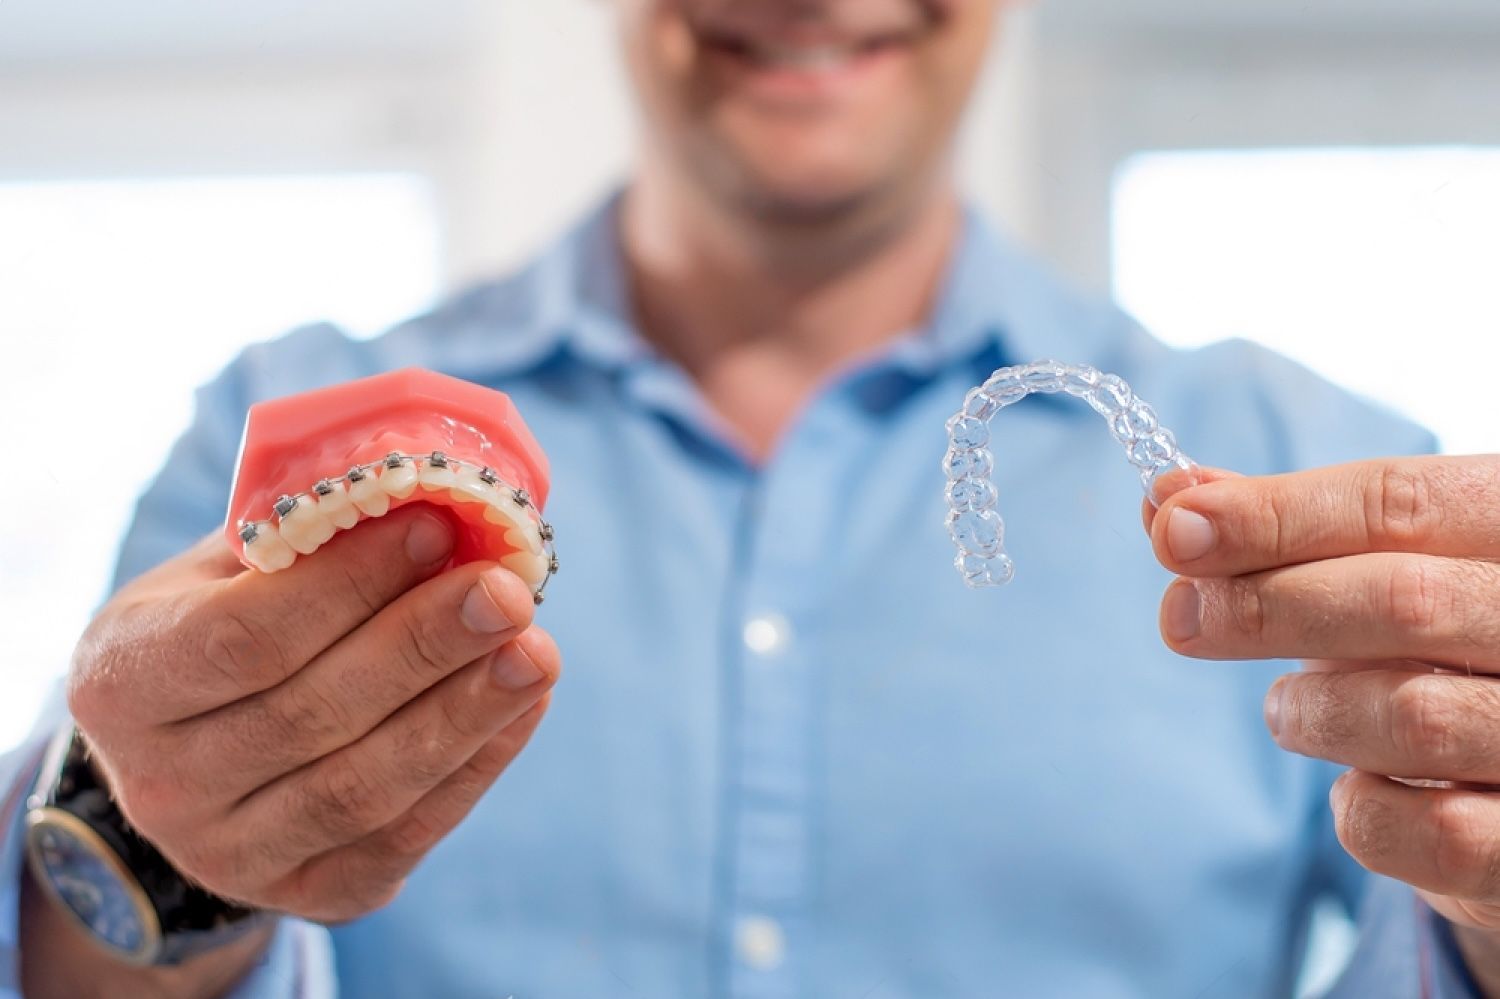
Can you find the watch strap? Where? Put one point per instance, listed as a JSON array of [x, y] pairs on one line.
[[191, 918]]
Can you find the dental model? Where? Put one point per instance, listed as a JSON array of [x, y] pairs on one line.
[[317, 463], [973, 522]]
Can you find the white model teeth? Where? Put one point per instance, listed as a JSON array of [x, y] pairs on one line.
[[304, 522], [470, 487], [365, 493], [437, 473], [506, 508], [398, 477], [304, 526], [531, 568], [265, 548], [525, 537], [335, 504], [503, 508], [522, 532]]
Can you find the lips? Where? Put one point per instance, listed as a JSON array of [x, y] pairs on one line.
[[314, 464], [806, 54], [811, 36], [792, 60]]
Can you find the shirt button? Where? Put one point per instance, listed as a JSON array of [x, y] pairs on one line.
[[760, 942], [767, 634]]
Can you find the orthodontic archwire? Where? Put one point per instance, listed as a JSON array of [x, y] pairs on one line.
[[249, 530]]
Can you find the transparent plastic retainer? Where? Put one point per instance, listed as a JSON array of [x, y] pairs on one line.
[[973, 521]]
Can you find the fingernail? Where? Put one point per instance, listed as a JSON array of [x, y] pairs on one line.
[[481, 609], [1274, 697], [1171, 483], [1181, 611], [1189, 535], [428, 540], [513, 669]]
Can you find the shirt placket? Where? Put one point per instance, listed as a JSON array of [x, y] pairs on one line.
[[774, 714]]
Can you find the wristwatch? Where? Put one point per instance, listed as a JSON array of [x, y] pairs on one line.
[[116, 886]]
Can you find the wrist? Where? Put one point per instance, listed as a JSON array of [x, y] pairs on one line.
[[60, 958], [115, 886]]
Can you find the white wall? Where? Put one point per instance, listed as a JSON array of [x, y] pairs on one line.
[[521, 116], [1103, 100]]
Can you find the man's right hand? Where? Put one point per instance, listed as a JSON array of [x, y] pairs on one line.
[[298, 741]]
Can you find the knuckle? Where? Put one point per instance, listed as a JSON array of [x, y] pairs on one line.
[[1423, 718], [242, 650], [363, 586], [1416, 598], [1275, 516], [1481, 705], [476, 776], [410, 839], [459, 717], [426, 754], [1246, 607], [371, 894], [1464, 861], [303, 717], [345, 886], [341, 799], [424, 647], [1398, 506]]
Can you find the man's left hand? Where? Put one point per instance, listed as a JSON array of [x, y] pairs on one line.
[[1384, 576]]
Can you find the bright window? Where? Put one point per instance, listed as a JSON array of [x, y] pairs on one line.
[[1379, 268], [116, 299], [1375, 267]]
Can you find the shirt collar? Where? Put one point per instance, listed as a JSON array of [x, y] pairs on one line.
[[999, 304], [996, 305]]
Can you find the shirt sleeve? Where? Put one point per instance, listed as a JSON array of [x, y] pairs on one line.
[[1405, 950], [297, 965], [17, 770], [186, 501]]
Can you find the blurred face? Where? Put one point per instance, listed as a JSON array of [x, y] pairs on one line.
[[803, 109]]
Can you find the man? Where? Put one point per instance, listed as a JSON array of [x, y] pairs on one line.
[[793, 755]]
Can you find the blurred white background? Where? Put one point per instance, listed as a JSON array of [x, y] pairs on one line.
[[182, 177]]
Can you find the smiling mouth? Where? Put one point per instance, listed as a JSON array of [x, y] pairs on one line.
[[806, 57]]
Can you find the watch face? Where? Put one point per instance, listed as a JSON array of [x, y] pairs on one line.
[[86, 877]]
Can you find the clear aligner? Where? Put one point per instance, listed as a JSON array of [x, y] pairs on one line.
[[973, 521], [273, 543]]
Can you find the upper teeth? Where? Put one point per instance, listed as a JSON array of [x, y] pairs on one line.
[[804, 56], [305, 521]]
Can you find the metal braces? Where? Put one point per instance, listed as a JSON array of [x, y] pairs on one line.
[[249, 530]]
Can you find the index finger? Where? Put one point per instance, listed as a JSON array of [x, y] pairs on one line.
[[1424, 505], [229, 638]]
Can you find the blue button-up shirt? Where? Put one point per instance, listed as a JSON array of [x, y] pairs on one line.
[[791, 755]]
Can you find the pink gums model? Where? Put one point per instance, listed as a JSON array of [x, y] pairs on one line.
[[320, 462]]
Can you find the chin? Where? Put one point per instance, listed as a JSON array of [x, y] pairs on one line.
[[804, 202], [803, 183]]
